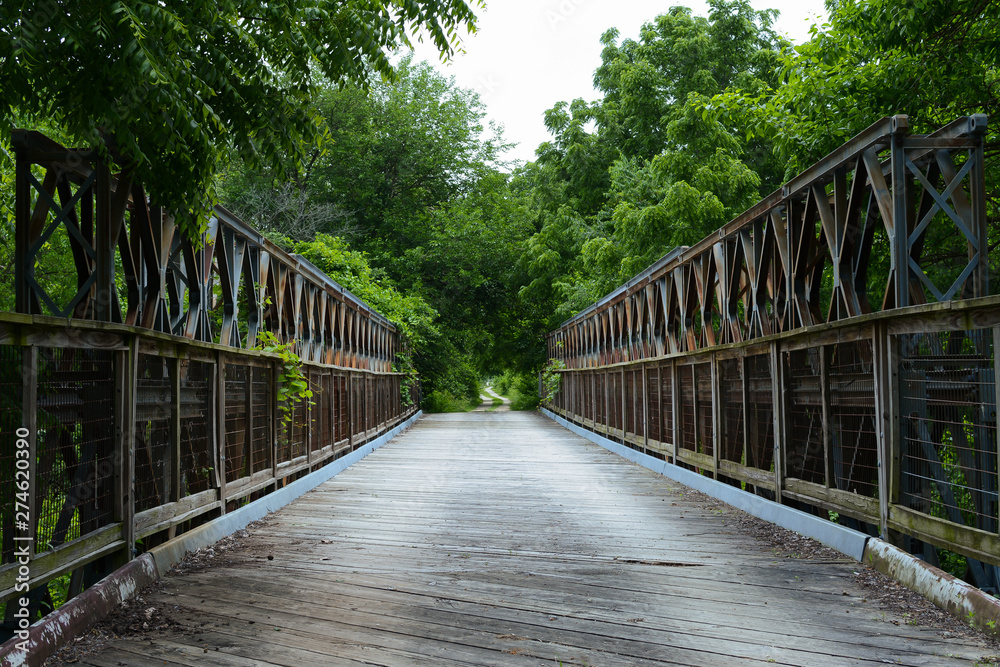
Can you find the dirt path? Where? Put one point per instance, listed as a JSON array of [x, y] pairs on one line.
[[506, 401]]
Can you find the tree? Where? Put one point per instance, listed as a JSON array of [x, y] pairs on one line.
[[403, 149], [172, 85], [933, 60], [412, 179], [645, 168]]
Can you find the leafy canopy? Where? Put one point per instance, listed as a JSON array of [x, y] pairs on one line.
[[172, 85], [645, 168]]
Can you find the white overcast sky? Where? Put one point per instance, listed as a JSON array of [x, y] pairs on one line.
[[530, 54]]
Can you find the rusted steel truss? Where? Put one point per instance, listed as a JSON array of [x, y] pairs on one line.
[[134, 267], [806, 254]]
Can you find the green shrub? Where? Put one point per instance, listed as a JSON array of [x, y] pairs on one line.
[[504, 383], [526, 389], [441, 400]]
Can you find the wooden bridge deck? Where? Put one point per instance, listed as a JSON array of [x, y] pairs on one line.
[[502, 539]]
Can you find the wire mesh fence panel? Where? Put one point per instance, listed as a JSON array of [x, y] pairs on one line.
[[75, 471], [628, 404], [706, 431], [600, 414], [653, 403], [197, 416], [804, 455], [343, 416], [11, 406], [685, 378], [614, 400], [323, 416], [236, 421], [260, 405], [580, 389], [154, 400], [948, 426], [731, 391], [853, 435], [667, 391], [357, 405], [299, 428], [283, 448], [760, 412], [316, 410]]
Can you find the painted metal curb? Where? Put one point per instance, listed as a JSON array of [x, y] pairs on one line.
[[81, 613], [963, 600], [845, 540]]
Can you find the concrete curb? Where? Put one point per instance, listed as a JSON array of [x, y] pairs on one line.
[[844, 540], [81, 613], [955, 596]]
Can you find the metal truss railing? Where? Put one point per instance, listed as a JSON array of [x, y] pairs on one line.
[[129, 264]]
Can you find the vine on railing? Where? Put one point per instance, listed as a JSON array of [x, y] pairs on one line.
[[293, 385], [552, 380]]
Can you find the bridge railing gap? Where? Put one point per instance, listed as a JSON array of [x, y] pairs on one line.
[[132, 366], [831, 348]]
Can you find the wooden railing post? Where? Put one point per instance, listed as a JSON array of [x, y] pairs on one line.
[[174, 368], [645, 409], [349, 383], [827, 434], [744, 397], [778, 413], [676, 407], [717, 417], [220, 428], [275, 422], [127, 364], [886, 371], [29, 420]]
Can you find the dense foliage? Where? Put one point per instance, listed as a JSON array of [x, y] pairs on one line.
[[644, 169], [174, 85], [409, 208]]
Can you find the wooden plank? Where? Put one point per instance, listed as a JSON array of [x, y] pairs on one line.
[[946, 534], [696, 459], [761, 478], [64, 558], [834, 499], [247, 485], [164, 516]]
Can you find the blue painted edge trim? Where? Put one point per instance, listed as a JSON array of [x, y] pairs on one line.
[[845, 540], [172, 552]]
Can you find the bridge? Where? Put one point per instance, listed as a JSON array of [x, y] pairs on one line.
[[827, 356]]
